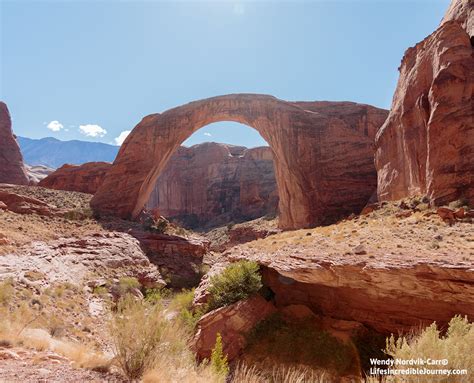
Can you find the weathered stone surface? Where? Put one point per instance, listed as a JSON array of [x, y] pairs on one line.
[[212, 184], [323, 162], [27, 205], [233, 322], [426, 146], [11, 161], [84, 178], [76, 260], [179, 258], [37, 172]]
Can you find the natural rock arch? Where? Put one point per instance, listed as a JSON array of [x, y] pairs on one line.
[[323, 154]]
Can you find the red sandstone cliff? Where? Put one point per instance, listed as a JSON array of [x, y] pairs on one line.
[[212, 184], [12, 169], [84, 178], [426, 146]]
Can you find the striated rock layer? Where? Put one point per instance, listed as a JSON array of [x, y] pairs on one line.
[[12, 170], [211, 184], [323, 162], [84, 178], [426, 146]]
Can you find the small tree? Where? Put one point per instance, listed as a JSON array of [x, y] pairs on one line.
[[219, 363]]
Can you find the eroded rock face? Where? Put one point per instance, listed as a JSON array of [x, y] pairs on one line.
[[233, 322], [426, 146], [179, 258], [27, 205], [323, 161], [84, 178], [12, 170], [77, 260], [37, 172], [212, 184]]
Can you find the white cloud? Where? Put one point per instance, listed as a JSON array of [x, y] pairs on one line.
[[208, 134], [121, 137], [55, 126], [91, 130], [239, 8]]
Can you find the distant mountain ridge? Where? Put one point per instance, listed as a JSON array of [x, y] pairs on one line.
[[54, 153]]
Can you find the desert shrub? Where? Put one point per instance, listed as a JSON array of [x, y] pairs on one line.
[[182, 304], [238, 281], [279, 373], [6, 291], [136, 330], [219, 363], [78, 214], [455, 346], [155, 224]]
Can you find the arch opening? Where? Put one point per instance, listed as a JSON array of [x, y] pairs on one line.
[[222, 174]]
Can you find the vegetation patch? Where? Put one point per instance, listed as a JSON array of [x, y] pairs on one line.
[[238, 281]]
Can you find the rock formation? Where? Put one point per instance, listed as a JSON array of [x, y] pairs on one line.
[[213, 184], [12, 170], [323, 162], [76, 261], [84, 178], [426, 146], [37, 172], [233, 322]]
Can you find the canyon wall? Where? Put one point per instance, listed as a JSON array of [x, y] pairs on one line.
[[212, 184], [426, 146]]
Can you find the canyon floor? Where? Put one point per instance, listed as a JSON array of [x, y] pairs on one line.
[[61, 269]]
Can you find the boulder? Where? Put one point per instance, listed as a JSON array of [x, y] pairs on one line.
[[233, 322], [426, 146], [12, 170]]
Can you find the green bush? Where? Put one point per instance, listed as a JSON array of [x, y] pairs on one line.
[[238, 281], [219, 363]]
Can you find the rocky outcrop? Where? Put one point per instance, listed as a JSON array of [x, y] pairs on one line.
[[179, 258], [12, 170], [84, 178], [37, 172], [21, 204], [77, 260], [379, 295], [212, 184], [323, 161], [233, 322], [426, 146]]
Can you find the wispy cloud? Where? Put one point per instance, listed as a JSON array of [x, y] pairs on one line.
[[91, 130], [207, 134], [55, 126], [121, 137]]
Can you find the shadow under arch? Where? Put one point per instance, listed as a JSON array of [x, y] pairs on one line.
[[323, 154]]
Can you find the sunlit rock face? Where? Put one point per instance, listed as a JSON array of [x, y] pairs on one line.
[[84, 178], [426, 146], [323, 160], [12, 170], [212, 184]]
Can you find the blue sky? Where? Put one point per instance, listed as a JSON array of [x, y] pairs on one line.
[[92, 69]]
